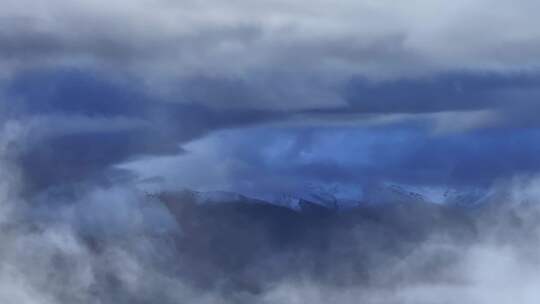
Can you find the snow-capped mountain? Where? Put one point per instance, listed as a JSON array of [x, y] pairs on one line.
[[392, 194], [310, 198], [210, 197], [331, 197], [466, 199]]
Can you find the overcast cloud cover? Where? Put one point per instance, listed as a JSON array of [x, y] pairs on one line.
[[103, 101], [144, 77]]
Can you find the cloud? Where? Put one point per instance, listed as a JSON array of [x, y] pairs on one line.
[[112, 244], [428, 29], [139, 78], [275, 160], [266, 98], [80, 124], [299, 52]]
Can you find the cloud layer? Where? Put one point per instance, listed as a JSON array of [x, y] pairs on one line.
[[365, 37], [103, 83], [101, 98]]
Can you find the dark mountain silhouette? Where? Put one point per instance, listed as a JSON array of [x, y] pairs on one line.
[[247, 244]]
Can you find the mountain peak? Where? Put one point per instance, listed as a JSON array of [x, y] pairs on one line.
[[316, 199], [392, 194]]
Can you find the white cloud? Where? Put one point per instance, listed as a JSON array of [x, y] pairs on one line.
[[308, 45]]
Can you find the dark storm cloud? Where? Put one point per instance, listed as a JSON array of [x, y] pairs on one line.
[[451, 92], [137, 79], [75, 92], [82, 124], [455, 101], [476, 100]]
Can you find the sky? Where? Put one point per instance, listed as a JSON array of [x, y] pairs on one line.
[[424, 93], [109, 109]]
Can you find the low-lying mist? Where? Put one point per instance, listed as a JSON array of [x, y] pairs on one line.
[[114, 244]]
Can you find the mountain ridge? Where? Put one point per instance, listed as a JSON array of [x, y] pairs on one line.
[[388, 195]]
